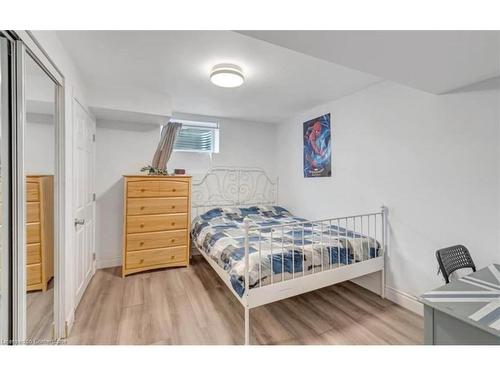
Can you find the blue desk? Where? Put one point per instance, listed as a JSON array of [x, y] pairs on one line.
[[465, 311]]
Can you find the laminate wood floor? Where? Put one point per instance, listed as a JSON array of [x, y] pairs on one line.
[[40, 315], [193, 306]]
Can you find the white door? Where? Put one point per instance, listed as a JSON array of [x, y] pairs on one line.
[[83, 198]]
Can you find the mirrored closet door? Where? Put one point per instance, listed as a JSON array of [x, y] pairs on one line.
[[5, 103], [39, 168]]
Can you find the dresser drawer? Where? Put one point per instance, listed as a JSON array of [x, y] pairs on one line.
[[32, 192], [142, 189], [156, 223], [174, 188], [148, 206], [33, 253], [156, 257], [32, 233], [34, 274], [157, 188], [32, 212], [142, 241]]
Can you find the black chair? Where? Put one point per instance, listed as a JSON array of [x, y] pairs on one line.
[[454, 258]]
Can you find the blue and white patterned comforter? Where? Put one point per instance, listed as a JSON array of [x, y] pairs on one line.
[[285, 252]]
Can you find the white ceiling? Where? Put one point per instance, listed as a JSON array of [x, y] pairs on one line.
[[279, 82], [432, 61], [286, 71]]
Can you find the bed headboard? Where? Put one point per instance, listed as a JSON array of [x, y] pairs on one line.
[[232, 187]]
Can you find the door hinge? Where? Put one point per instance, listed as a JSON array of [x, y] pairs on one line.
[[93, 256], [93, 197], [93, 137]]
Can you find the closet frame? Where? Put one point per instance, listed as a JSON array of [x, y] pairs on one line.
[[27, 45]]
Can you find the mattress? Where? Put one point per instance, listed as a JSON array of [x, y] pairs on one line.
[[281, 246]]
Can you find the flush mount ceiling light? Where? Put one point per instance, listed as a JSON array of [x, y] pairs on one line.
[[227, 75]]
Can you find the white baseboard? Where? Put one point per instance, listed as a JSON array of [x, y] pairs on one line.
[[404, 299], [108, 262]]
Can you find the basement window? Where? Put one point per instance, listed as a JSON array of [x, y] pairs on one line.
[[197, 136]]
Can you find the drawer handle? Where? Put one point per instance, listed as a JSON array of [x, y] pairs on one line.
[[173, 190], [141, 261], [143, 190], [173, 240], [173, 207], [172, 257], [173, 223], [142, 207], [141, 244], [142, 225]]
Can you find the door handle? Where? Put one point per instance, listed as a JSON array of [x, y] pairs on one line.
[[79, 222]]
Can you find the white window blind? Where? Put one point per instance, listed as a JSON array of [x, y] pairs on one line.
[[197, 136]]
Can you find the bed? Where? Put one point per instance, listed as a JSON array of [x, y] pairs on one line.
[[264, 253]]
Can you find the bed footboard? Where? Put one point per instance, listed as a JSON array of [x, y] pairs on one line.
[[283, 261]]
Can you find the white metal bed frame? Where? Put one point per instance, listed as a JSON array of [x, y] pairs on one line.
[[236, 187]]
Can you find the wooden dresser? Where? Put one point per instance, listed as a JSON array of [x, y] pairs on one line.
[[39, 231], [156, 223]]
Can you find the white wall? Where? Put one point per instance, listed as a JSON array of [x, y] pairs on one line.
[[125, 148], [433, 160], [137, 100], [39, 155], [39, 138]]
